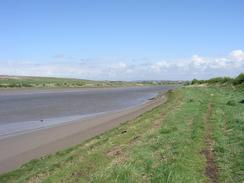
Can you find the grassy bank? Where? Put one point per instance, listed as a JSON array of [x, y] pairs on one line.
[[196, 136], [51, 82]]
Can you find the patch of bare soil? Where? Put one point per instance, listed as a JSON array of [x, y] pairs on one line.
[[116, 151], [211, 169], [117, 154]]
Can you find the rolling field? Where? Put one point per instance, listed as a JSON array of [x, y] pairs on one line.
[[52, 82], [196, 136]]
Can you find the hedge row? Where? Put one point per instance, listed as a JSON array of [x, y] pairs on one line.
[[236, 81]]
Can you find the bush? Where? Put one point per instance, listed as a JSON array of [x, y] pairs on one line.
[[242, 101], [231, 103], [195, 81], [26, 85], [239, 79], [220, 80]]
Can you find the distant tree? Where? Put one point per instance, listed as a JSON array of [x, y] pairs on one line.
[[194, 81]]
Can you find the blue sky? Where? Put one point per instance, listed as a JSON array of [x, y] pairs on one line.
[[122, 40]]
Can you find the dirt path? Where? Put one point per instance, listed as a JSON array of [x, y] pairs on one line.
[[211, 170]]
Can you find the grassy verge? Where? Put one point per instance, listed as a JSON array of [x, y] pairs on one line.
[[166, 144]]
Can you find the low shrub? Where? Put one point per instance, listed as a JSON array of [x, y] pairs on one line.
[[231, 103], [239, 79], [242, 101]]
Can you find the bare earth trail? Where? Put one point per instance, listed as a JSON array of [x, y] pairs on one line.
[[211, 169]]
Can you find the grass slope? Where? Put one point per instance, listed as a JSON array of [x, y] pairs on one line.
[[198, 129]]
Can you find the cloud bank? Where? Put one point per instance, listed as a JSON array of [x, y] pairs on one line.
[[197, 66]]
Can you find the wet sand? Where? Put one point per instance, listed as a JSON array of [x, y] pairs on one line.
[[19, 149]]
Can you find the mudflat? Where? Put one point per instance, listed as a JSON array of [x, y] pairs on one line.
[[18, 149], [25, 110]]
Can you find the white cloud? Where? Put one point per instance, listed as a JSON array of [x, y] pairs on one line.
[[159, 66], [120, 65], [198, 61], [219, 63], [237, 55], [233, 61], [197, 66]]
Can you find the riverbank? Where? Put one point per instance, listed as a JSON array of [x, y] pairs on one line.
[[196, 136]]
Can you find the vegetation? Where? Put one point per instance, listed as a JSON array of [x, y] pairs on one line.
[[50, 82], [222, 80], [239, 79], [196, 136]]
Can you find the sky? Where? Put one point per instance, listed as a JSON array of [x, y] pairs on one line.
[[122, 39]]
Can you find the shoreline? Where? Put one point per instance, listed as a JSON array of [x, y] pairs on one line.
[[22, 148]]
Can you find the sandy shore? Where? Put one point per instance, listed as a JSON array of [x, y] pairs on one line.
[[17, 150]]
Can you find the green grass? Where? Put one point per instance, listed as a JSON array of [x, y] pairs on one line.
[[228, 126], [51, 82], [162, 145]]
